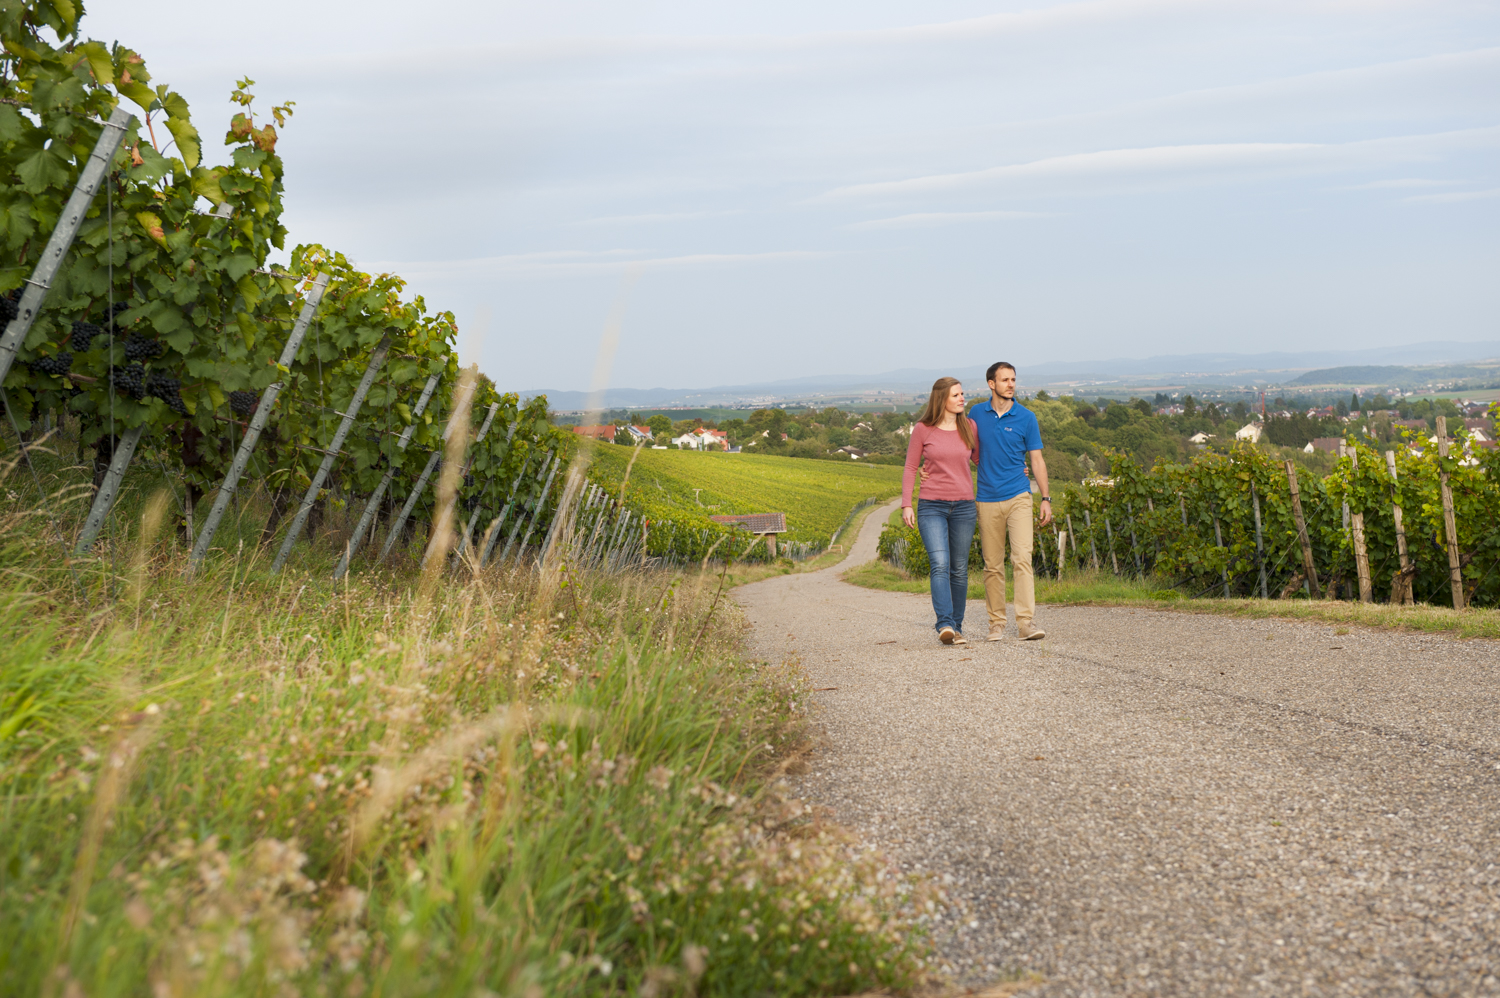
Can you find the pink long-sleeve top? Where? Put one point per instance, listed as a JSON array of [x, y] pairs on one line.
[[947, 461]]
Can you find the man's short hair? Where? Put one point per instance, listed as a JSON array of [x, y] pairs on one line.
[[989, 375]]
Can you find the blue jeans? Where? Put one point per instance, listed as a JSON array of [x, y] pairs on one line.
[[947, 529]]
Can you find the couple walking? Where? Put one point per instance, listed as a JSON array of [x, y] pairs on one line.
[[998, 436]]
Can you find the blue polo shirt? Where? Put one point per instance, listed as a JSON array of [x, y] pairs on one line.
[[1003, 443]]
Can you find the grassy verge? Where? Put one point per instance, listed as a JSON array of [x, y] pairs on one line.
[[460, 783], [1104, 589]]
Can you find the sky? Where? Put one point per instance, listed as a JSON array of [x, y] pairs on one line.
[[778, 189]]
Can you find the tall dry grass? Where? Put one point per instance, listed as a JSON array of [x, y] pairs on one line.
[[477, 782]]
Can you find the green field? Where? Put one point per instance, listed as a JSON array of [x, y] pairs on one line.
[[816, 496]]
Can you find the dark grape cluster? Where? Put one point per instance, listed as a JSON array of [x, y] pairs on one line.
[[469, 502], [10, 306], [137, 347], [169, 390], [57, 365], [129, 380], [83, 335], [243, 402]]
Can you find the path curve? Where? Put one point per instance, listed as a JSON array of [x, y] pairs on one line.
[[1165, 803]]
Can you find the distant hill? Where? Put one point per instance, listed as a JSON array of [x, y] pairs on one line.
[[1201, 369], [1391, 375]]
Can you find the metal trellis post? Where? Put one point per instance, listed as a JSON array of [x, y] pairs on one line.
[[367, 517], [104, 499], [1260, 551], [377, 360], [492, 536], [258, 420], [61, 240], [536, 513]]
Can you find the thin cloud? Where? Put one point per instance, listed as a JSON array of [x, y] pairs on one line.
[[568, 263], [1453, 196], [1376, 185], [927, 219], [669, 216], [1174, 161]]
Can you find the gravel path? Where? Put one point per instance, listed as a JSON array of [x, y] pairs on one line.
[[1165, 803]]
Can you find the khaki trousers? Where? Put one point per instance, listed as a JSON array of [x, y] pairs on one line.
[[997, 521]]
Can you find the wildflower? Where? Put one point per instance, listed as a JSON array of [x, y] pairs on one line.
[[659, 777]]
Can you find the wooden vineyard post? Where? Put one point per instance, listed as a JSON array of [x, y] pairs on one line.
[[1109, 538], [258, 421], [1155, 535], [1260, 550], [1401, 585], [1062, 548], [104, 499], [1135, 548], [1219, 540], [61, 240], [1361, 555], [377, 360], [1450, 521], [1041, 552], [1088, 522], [367, 517], [1074, 534], [1309, 568]]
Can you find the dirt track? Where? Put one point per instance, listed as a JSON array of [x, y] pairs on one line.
[[1165, 803]]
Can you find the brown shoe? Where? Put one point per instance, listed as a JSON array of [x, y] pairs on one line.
[[1029, 631], [997, 633], [946, 635], [959, 639]]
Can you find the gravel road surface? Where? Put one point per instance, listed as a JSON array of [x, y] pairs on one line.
[[1156, 803]]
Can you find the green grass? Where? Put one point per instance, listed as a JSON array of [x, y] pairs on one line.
[[1104, 589], [816, 496], [461, 783]]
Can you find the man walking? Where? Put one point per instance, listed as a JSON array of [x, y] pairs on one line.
[[1008, 434]]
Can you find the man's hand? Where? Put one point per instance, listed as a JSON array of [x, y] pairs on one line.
[[1039, 472], [923, 471], [908, 517]]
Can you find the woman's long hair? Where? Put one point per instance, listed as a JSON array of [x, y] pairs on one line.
[[937, 408]]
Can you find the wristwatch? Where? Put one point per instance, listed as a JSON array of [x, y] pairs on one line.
[[1045, 499]]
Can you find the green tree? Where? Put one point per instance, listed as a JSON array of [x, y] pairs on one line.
[[661, 426]]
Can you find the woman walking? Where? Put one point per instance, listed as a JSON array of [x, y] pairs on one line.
[[948, 442]]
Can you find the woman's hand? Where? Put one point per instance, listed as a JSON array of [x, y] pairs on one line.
[[908, 517]]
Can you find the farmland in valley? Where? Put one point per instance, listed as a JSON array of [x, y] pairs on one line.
[[690, 486]]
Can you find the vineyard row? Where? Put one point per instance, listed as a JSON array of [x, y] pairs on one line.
[[1420, 523]]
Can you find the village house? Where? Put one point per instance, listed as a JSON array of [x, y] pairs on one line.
[[1250, 432], [596, 432], [639, 434], [711, 438]]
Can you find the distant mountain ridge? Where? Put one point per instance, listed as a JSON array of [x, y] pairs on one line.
[[1161, 369]]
